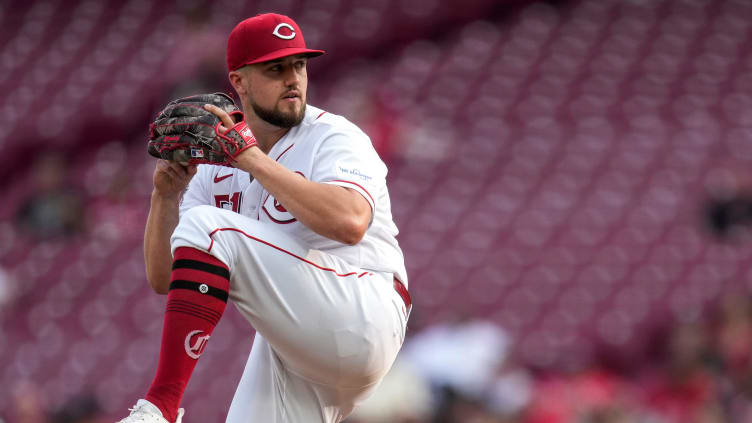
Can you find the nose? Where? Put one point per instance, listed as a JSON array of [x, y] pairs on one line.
[[291, 77]]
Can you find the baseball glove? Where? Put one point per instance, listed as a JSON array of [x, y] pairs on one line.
[[187, 133]]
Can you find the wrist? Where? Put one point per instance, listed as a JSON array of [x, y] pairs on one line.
[[248, 158], [165, 197]]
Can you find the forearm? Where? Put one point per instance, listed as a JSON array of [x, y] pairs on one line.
[[161, 222], [329, 210]]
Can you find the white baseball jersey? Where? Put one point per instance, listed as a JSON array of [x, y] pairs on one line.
[[329, 320], [324, 148]]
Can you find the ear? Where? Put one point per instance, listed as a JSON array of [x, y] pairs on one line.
[[236, 80]]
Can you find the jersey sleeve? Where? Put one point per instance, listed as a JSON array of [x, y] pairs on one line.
[[348, 159], [197, 193]]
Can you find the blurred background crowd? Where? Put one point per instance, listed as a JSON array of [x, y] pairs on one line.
[[571, 179]]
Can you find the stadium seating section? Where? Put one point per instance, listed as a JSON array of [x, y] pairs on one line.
[[548, 167]]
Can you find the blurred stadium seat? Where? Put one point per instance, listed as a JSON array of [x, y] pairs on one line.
[[547, 174]]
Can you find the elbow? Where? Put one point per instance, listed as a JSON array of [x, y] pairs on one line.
[[159, 285], [353, 232], [352, 239], [159, 289]]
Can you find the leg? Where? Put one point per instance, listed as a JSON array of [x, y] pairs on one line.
[[327, 321], [197, 298], [268, 392], [196, 301]]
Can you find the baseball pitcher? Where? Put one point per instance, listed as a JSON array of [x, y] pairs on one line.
[[282, 208]]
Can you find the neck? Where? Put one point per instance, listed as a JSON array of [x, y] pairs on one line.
[[266, 135]]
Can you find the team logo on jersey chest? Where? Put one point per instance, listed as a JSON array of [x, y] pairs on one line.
[[276, 212]]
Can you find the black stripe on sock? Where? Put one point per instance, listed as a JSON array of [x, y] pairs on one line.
[[194, 286], [197, 307], [192, 310], [200, 265], [198, 316]]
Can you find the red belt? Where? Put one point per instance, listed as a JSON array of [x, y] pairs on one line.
[[402, 291]]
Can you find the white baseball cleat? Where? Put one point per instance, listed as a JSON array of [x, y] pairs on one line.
[[146, 412]]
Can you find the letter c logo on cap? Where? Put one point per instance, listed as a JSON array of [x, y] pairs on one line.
[[284, 37]]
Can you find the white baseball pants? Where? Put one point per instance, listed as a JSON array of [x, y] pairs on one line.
[[327, 332]]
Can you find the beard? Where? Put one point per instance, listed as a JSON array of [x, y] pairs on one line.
[[278, 118]]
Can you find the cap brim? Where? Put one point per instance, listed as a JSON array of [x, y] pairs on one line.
[[284, 53]]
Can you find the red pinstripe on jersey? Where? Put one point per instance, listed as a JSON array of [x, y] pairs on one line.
[[327, 269]]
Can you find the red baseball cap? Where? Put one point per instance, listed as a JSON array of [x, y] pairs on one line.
[[265, 37]]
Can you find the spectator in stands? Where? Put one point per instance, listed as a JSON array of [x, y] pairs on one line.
[[402, 397], [53, 208], [7, 290], [733, 343], [28, 404], [83, 408], [194, 70], [728, 208], [510, 393], [684, 388], [371, 109], [591, 395], [464, 362]]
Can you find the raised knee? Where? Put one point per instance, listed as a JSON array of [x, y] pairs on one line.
[[196, 226], [197, 211], [198, 215]]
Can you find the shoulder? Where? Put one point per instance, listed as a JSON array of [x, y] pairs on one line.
[[326, 124]]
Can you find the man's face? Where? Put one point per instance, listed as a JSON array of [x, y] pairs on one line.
[[277, 90]]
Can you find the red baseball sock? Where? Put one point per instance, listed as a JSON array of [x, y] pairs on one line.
[[195, 303]]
